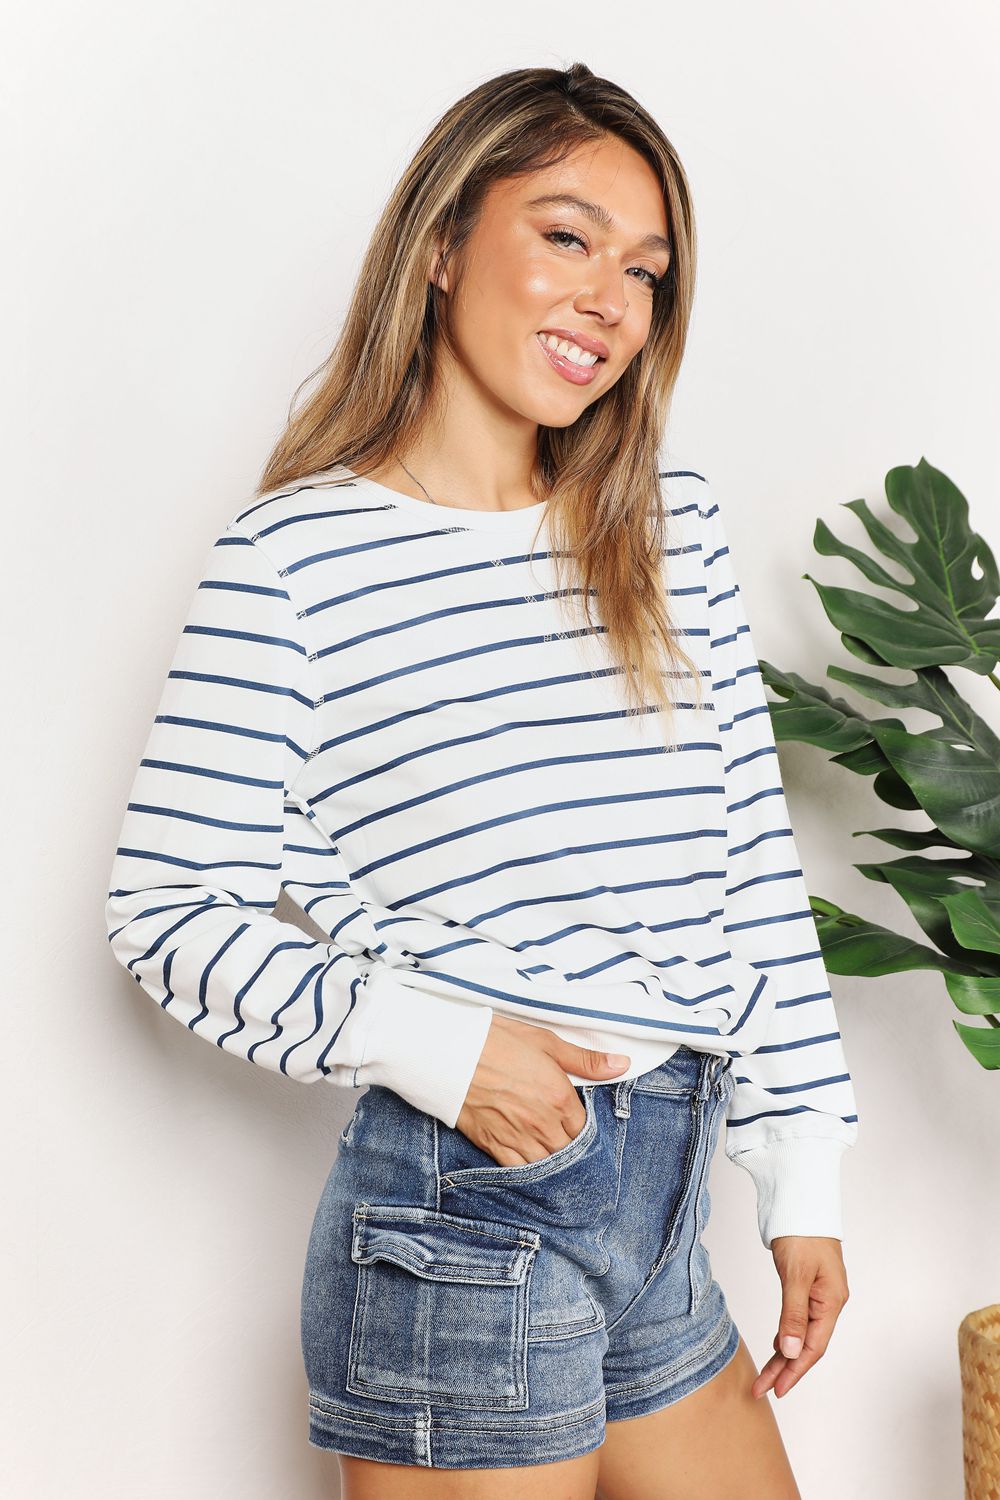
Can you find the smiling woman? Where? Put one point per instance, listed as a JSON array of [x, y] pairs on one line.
[[470, 680], [546, 217], [584, 291]]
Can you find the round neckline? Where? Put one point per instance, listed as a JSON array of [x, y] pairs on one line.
[[525, 517]]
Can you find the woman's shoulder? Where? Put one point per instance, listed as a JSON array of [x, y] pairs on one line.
[[306, 518], [684, 486], [321, 492], [687, 503]]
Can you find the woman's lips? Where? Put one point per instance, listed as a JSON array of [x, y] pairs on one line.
[[575, 374]]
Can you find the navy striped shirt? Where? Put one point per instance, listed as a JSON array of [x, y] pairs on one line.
[[378, 706]]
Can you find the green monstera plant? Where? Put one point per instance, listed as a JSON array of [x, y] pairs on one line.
[[951, 772]]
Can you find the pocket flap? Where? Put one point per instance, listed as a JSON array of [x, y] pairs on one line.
[[442, 1246]]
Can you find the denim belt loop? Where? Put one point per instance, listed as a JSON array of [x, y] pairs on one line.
[[623, 1097], [711, 1067]]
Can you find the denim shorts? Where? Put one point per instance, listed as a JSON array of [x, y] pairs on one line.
[[458, 1314]]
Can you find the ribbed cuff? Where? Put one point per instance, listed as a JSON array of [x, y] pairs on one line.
[[798, 1185], [425, 1048]]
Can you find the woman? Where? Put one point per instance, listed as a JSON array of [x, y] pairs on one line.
[[443, 682]]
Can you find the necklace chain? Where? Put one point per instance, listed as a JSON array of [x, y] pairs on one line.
[[415, 479], [497, 561]]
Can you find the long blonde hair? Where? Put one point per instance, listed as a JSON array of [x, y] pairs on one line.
[[600, 475]]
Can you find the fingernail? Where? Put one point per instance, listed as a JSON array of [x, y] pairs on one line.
[[791, 1346], [616, 1059]]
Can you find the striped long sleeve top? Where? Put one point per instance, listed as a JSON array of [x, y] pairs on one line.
[[377, 706]]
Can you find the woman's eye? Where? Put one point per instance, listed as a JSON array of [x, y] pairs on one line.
[[562, 234], [559, 236]]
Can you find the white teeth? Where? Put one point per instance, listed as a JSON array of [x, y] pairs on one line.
[[572, 352]]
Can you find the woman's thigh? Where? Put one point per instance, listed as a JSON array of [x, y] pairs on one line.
[[569, 1479], [675, 1453]]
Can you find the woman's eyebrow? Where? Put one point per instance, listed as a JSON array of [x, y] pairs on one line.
[[597, 213]]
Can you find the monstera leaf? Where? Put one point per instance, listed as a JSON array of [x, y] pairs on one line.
[[951, 771], [948, 626]]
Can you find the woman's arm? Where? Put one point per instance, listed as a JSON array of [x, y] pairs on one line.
[[213, 830], [793, 1111]]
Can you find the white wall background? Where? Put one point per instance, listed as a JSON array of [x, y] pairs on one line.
[[189, 192]]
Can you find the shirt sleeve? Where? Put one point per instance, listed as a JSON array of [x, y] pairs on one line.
[[211, 822], [792, 1112]]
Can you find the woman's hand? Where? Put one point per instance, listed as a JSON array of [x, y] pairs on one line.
[[814, 1289], [520, 1105]]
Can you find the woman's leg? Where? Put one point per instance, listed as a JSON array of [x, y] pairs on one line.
[[569, 1479], [718, 1443]]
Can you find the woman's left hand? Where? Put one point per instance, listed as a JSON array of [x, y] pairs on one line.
[[814, 1289]]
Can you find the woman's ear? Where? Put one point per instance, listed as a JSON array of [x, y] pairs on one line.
[[438, 272]]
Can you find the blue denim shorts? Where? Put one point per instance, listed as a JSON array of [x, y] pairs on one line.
[[458, 1314]]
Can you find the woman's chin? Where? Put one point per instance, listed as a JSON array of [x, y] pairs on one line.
[[550, 410]]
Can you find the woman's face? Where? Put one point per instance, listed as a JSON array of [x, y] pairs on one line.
[[535, 273]]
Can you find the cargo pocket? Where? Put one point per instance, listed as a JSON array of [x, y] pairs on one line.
[[441, 1312]]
